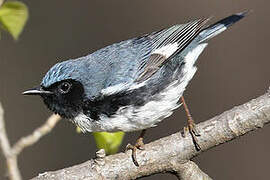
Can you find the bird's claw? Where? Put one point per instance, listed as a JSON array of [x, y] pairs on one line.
[[194, 132], [138, 145], [192, 128]]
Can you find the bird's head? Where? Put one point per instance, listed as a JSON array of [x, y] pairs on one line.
[[61, 91]]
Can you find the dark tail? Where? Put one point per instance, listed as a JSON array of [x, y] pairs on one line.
[[220, 26]]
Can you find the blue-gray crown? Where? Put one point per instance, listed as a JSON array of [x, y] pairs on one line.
[[82, 69], [58, 72], [106, 67]]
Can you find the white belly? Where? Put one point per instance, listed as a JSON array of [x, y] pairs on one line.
[[130, 118]]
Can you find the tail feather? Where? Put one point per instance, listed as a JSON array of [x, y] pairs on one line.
[[220, 26]]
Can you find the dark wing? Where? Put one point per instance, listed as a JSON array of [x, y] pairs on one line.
[[166, 43]]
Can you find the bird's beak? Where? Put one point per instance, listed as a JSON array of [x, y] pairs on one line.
[[36, 91]]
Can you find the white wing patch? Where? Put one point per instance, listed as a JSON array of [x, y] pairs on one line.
[[167, 50], [114, 89], [166, 43], [121, 87]]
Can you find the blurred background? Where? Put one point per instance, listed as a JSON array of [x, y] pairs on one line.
[[233, 69]]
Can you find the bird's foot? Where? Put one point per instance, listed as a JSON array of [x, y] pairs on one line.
[[191, 128], [138, 145]]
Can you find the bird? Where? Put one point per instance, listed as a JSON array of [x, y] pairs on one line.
[[131, 85]]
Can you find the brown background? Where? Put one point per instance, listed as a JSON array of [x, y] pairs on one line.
[[233, 69]]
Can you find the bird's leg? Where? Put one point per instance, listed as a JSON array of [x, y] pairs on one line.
[[138, 145], [191, 128]]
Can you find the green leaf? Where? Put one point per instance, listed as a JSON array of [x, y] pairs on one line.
[[13, 16], [78, 129], [110, 142]]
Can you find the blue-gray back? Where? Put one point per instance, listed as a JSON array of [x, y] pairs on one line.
[[135, 60]]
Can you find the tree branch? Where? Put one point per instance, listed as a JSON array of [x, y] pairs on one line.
[[11, 153], [12, 165], [173, 153]]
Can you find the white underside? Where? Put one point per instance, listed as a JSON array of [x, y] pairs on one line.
[[130, 118]]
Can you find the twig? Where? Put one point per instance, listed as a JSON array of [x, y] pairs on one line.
[[173, 153], [36, 135], [1, 2], [11, 153]]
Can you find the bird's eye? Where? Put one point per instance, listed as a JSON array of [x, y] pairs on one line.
[[64, 87]]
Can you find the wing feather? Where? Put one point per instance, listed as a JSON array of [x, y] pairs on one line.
[[167, 43]]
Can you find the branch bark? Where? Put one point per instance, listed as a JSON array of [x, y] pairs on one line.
[[173, 153]]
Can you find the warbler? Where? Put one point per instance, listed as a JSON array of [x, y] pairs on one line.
[[133, 84]]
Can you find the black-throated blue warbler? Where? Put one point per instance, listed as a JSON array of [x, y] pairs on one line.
[[131, 85]]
